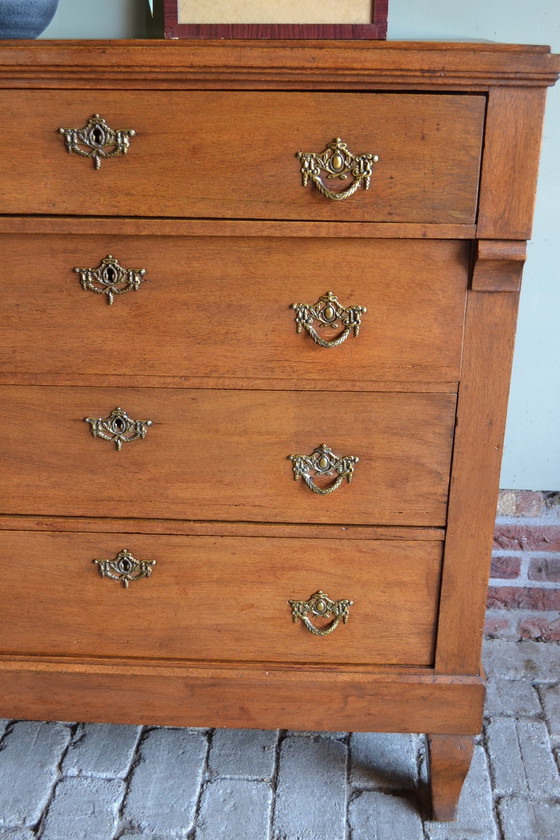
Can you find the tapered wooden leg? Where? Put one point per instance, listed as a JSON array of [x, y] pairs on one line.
[[450, 758]]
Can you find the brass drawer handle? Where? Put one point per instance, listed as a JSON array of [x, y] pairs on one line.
[[320, 605], [97, 141], [110, 278], [118, 427], [337, 162], [125, 568], [328, 312], [323, 461]]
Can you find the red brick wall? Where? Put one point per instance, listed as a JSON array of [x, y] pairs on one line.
[[524, 590]]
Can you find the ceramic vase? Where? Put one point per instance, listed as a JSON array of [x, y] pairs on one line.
[[25, 18]]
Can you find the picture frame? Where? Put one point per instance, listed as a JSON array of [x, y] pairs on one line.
[[266, 19]]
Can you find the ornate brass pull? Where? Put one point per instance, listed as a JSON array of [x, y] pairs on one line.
[[110, 278], [329, 313], [323, 461], [118, 427], [125, 568], [337, 162], [320, 605], [97, 141]]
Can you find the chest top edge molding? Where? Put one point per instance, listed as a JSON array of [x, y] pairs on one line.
[[341, 64]]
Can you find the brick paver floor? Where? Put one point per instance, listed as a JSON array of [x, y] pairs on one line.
[[69, 781]]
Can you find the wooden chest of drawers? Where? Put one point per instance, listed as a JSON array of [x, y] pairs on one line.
[[260, 262]]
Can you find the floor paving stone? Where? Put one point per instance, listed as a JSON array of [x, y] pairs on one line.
[[380, 816], [533, 661], [522, 819], [29, 762], [135, 836], [84, 809], [511, 697], [521, 758], [475, 815], [16, 834], [551, 703], [381, 761], [234, 809], [3, 726], [165, 784], [312, 790], [244, 753], [100, 749]]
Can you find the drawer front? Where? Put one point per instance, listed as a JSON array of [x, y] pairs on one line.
[[225, 455], [220, 308], [233, 154], [219, 598]]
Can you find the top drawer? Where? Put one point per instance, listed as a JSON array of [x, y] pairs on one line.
[[233, 154]]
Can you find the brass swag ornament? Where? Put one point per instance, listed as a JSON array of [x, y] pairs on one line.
[[337, 162], [118, 427], [328, 312], [323, 461], [97, 141], [320, 605], [110, 278], [125, 568]]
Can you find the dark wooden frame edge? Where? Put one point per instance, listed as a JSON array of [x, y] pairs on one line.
[[376, 30]]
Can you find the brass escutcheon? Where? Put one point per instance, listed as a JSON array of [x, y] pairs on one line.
[[110, 278], [320, 605], [323, 461], [118, 427], [328, 312], [337, 162], [97, 141], [125, 568]]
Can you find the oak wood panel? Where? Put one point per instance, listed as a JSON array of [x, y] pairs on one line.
[[510, 163], [224, 455], [233, 154], [481, 413], [219, 309], [218, 529], [218, 598], [270, 697]]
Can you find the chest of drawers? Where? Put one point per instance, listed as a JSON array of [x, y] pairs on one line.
[[226, 266]]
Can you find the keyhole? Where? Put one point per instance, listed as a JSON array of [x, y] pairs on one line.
[[110, 276], [98, 136]]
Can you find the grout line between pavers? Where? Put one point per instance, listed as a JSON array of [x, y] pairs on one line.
[[495, 797], [204, 781], [282, 735], [349, 789], [7, 731], [134, 762], [37, 829]]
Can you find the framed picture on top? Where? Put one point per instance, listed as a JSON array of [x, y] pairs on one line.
[[336, 19]]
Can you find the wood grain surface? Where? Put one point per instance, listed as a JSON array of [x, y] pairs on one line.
[[228, 154], [218, 598], [209, 201], [270, 696], [216, 309], [225, 455]]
